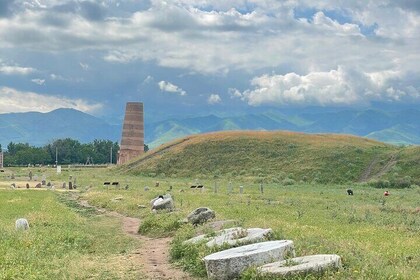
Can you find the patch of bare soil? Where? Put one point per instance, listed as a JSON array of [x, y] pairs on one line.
[[153, 255]]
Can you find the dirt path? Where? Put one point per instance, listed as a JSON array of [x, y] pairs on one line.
[[367, 174], [153, 255], [391, 162]]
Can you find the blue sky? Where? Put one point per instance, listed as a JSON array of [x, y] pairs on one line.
[[204, 56]]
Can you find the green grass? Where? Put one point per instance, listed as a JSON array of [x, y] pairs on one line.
[[63, 242], [276, 156], [376, 236]]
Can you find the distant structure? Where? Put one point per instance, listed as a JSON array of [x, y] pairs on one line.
[[132, 140]]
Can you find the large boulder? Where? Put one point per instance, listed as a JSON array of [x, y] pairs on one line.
[[301, 265], [201, 215], [229, 264], [22, 224], [162, 203]]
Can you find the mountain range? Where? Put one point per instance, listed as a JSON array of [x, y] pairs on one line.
[[400, 127], [39, 129], [397, 127]]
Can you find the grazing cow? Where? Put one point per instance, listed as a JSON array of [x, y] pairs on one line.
[[349, 192]]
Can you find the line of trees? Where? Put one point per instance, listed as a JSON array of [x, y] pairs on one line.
[[69, 151]]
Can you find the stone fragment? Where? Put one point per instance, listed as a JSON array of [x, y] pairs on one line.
[[302, 265], [233, 236], [162, 203], [21, 224], [201, 215], [230, 263]]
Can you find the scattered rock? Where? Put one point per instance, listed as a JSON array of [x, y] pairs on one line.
[[233, 236], [27, 185], [118, 198], [21, 224], [302, 265], [13, 186], [146, 189], [38, 186], [201, 215], [162, 203], [230, 263], [141, 206]]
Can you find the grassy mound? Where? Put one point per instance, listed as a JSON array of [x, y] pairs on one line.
[[278, 157]]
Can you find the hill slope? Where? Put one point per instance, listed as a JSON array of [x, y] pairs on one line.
[[401, 127], [278, 155]]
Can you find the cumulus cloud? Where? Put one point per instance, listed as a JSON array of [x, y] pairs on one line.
[[216, 37], [15, 70], [335, 87], [13, 100], [169, 87], [84, 66], [214, 99], [38, 81], [148, 79]]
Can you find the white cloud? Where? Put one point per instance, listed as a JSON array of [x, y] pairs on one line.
[[214, 99], [84, 66], [215, 37], [15, 70], [148, 79], [335, 87], [219, 37], [169, 87], [13, 100], [38, 81], [234, 93]]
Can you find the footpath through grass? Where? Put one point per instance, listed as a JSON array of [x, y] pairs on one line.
[[377, 237], [64, 241]]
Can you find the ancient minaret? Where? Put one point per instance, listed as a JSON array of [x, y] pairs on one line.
[[132, 140]]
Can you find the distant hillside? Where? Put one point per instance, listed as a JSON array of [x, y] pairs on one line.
[[277, 155], [402, 127], [40, 128]]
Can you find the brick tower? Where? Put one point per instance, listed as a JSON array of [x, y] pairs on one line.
[[132, 140]]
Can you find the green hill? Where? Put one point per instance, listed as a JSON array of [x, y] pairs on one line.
[[279, 156]]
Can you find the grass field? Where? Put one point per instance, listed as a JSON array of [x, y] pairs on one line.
[[277, 156], [377, 237], [64, 241]]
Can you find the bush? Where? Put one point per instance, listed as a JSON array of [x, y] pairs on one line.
[[288, 182], [379, 184], [397, 183], [401, 183], [160, 224]]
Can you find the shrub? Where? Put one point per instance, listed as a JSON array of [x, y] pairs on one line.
[[401, 183], [380, 184], [288, 182], [160, 224]]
